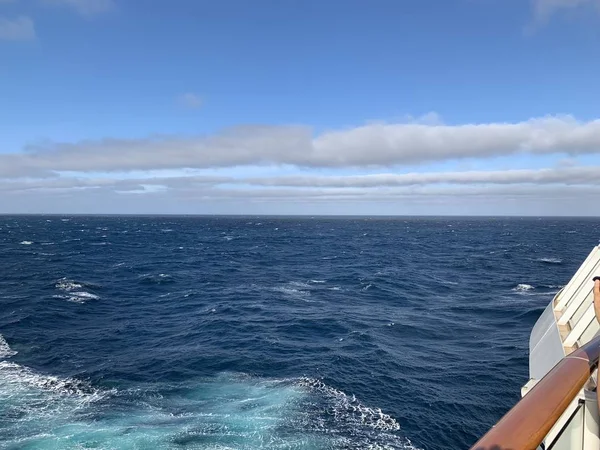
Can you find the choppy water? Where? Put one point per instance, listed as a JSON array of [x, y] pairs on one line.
[[276, 333]]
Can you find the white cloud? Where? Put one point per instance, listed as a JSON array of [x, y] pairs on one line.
[[63, 177], [567, 176], [334, 185], [18, 29], [373, 145], [382, 145], [428, 200], [86, 8], [190, 100], [544, 9], [557, 191]]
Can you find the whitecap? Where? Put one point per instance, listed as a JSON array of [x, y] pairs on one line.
[[294, 289], [65, 284], [347, 409], [550, 260], [317, 281], [77, 297], [73, 290], [523, 287], [5, 350], [26, 242], [84, 296], [293, 292], [160, 278], [14, 377]]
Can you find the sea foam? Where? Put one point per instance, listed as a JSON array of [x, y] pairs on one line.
[[348, 409], [550, 260], [523, 287], [74, 291], [5, 350]]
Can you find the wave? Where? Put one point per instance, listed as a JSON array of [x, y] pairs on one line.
[[348, 409], [523, 287], [160, 278], [20, 377], [552, 286], [74, 291], [227, 411], [78, 297], [291, 291], [5, 350], [530, 314], [37, 408], [64, 284], [550, 260], [298, 289]]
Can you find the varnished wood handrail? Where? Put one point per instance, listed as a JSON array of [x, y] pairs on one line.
[[526, 425]]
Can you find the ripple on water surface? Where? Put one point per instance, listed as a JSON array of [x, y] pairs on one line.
[[226, 333]]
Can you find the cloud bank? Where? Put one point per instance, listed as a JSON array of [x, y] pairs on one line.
[[368, 146], [181, 174], [568, 176]]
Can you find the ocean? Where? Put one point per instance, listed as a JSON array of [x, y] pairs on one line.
[[271, 333]]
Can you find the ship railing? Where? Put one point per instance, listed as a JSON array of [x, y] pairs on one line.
[[528, 424]]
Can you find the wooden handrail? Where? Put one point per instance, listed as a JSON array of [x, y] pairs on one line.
[[526, 425]]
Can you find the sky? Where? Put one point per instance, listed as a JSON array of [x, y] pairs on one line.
[[374, 107]]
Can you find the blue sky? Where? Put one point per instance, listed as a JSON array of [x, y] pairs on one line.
[[299, 106]]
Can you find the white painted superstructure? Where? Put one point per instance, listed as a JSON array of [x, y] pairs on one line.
[[566, 324]]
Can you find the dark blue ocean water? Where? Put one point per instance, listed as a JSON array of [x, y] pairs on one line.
[[275, 333]]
